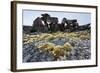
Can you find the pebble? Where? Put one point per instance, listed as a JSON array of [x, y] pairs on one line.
[[34, 54]]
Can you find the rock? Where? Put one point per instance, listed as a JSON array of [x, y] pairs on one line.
[[34, 54], [59, 41]]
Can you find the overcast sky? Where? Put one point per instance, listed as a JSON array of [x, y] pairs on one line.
[[30, 15]]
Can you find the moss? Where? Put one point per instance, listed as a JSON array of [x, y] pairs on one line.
[[83, 32], [47, 46], [50, 37], [58, 51], [67, 47], [71, 35], [85, 37], [75, 38], [59, 35]]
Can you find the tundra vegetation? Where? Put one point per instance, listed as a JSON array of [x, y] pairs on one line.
[[58, 45]]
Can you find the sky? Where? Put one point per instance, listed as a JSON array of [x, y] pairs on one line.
[[30, 15]]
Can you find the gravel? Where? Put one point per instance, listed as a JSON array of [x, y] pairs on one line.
[[81, 51], [34, 54]]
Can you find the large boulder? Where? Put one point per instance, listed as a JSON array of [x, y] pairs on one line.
[[51, 22], [70, 25], [39, 25], [46, 23]]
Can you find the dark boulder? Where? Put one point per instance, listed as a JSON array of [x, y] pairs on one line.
[[70, 25], [27, 29], [46, 23], [39, 26], [51, 22], [84, 27]]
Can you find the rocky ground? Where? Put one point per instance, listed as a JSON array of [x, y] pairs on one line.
[[59, 46]]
